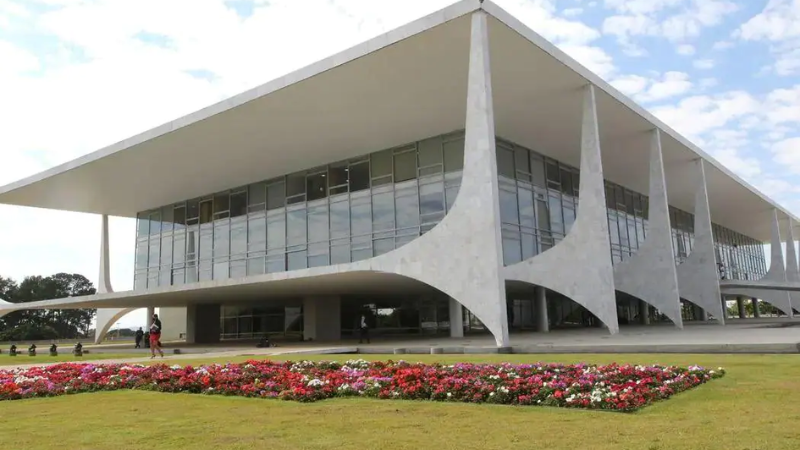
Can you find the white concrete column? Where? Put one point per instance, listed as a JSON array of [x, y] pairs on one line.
[[777, 272], [456, 319], [322, 318], [644, 313], [104, 279], [579, 266], [740, 307], [540, 310], [698, 277], [202, 323], [149, 319], [650, 274], [792, 272], [105, 319], [756, 312], [174, 321]]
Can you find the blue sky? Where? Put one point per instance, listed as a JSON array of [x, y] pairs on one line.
[[76, 75]]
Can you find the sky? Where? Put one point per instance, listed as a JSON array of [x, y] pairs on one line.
[[77, 75]]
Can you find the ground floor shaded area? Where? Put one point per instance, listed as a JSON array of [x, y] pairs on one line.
[[415, 314]]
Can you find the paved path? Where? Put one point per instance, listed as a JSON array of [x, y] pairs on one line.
[[738, 336]]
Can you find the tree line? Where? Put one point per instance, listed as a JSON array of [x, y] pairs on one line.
[[43, 324]]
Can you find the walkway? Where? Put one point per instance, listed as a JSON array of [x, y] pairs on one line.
[[768, 335]]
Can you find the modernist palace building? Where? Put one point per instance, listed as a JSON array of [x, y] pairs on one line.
[[458, 174]]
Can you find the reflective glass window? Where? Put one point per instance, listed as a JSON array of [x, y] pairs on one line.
[[359, 176], [453, 155], [238, 204], [405, 166], [407, 207], [317, 186], [276, 195], [505, 161]]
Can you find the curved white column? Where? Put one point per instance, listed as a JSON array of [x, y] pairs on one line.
[[104, 279], [650, 274], [579, 266], [777, 272], [462, 255], [698, 276], [106, 317], [792, 271]]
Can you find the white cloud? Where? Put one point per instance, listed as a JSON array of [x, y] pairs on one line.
[[676, 20], [708, 82], [778, 24], [787, 153], [572, 12], [630, 85], [703, 64], [694, 116], [16, 60], [643, 89], [722, 45], [685, 49]]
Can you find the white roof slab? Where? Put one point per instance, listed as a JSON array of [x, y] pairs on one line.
[[402, 86]]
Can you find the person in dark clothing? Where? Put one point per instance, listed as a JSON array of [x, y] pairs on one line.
[[138, 337], [157, 321], [364, 330]]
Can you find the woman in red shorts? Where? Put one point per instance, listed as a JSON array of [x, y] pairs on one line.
[[155, 337]]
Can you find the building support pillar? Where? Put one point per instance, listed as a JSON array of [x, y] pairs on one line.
[[456, 319], [644, 313], [698, 276], [650, 274], [106, 317], [792, 270], [756, 312], [579, 266], [322, 319], [540, 310], [782, 300], [202, 323], [740, 306]]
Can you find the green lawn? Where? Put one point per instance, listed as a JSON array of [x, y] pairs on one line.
[[756, 406], [45, 358]]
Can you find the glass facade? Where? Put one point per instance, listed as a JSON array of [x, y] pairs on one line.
[[342, 212], [539, 200], [363, 207]]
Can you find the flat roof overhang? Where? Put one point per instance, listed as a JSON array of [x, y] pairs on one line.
[[284, 286], [402, 86]]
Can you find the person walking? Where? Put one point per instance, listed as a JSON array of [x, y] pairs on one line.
[[364, 330], [138, 337], [155, 337]]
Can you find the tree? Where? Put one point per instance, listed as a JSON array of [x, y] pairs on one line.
[[45, 324]]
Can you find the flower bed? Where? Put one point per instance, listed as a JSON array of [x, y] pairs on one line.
[[610, 387]]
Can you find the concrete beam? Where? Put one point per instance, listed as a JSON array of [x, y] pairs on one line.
[[698, 276], [579, 266], [650, 274]]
